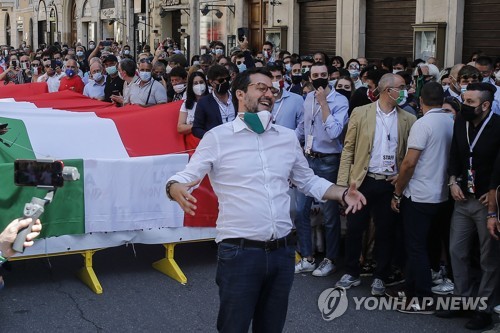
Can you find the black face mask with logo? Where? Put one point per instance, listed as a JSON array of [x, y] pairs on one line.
[[222, 88], [320, 82]]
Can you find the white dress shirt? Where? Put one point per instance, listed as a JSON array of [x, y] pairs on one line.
[[385, 142], [250, 178]]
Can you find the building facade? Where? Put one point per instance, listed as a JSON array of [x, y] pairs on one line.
[[449, 30]]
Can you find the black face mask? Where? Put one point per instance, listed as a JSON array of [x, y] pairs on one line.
[[321, 82], [468, 113], [296, 79], [222, 88], [345, 93]]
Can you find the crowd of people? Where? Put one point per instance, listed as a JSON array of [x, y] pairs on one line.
[[420, 143]]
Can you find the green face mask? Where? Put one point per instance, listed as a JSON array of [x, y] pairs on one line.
[[257, 122], [403, 96]]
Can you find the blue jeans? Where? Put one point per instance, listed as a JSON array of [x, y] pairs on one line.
[[325, 167], [254, 284]]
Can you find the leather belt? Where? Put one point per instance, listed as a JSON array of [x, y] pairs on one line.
[[315, 154], [269, 245], [377, 176]]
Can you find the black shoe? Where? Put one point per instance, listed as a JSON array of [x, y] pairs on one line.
[[454, 313], [368, 268], [479, 321], [397, 277]]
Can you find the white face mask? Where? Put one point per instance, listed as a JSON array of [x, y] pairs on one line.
[[257, 122], [169, 69], [126, 52], [332, 82], [276, 84], [463, 88], [35, 70], [445, 87], [219, 51], [97, 76], [145, 76], [199, 89], [178, 88]]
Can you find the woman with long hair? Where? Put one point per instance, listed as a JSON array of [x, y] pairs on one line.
[[196, 88]]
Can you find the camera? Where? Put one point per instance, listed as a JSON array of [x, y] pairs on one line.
[[39, 173]]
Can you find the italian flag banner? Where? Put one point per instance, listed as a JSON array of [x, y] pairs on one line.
[[124, 156]]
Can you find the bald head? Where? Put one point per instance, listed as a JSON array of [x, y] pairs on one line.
[[455, 69], [390, 80]]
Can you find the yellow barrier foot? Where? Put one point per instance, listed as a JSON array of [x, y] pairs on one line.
[[87, 275], [297, 257], [168, 266]]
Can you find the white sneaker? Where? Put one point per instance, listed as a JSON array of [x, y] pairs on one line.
[[497, 309], [325, 268], [437, 277], [304, 266], [444, 288]]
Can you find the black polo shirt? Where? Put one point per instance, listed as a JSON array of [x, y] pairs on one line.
[[485, 156], [112, 85]]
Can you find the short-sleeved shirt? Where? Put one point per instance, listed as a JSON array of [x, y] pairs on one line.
[[190, 112], [94, 89], [139, 95], [432, 135]]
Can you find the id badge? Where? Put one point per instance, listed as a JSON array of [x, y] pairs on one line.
[[388, 162], [471, 178], [309, 144]]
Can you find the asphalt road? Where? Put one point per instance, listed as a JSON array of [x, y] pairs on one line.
[[44, 295]]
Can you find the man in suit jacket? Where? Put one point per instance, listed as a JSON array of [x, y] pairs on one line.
[[216, 108], [374, 148]]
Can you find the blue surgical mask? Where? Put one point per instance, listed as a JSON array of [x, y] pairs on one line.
[[70, 72], [111, 70], [145, 76], [288, 68], [242, 67], [79, 53]]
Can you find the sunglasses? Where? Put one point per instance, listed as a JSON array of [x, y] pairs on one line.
[[145, 60]]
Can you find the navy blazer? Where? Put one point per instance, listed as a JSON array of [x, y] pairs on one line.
[[206, 116]]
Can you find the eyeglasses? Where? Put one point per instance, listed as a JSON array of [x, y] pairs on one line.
[[45, 59], [307, 58], [46, 66], [263, 88]]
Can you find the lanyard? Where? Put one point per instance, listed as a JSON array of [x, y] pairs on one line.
[[275, 117], [224, 109], [471, 147], [387, 128], [319, 107]]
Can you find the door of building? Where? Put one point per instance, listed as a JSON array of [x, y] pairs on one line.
[[257, 21], [318, 21], [388, 28]]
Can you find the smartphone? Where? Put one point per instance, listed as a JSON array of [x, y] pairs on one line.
[[242, 32], [13, 63], [24, 65], [43, 173], [106, 43]]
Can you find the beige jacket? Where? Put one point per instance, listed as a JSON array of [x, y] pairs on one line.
[[359, 142]]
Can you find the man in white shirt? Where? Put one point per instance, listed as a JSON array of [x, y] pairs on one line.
[[50, 76], [95, 87], [146, 91], [422, 187], [250, 178]]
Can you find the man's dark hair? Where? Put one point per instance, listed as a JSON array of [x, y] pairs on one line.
[[276, 66], [232, 68], [128, 66], [206, 58], [387, 62], [215, 72], [217, 43], [406, 76], [487, 91], [179, 71], [268, 43], [283, 54], [318, 64], [484, 61], [376, 74], [468, 71], [400, 61], [242, 81], [432, 94]]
